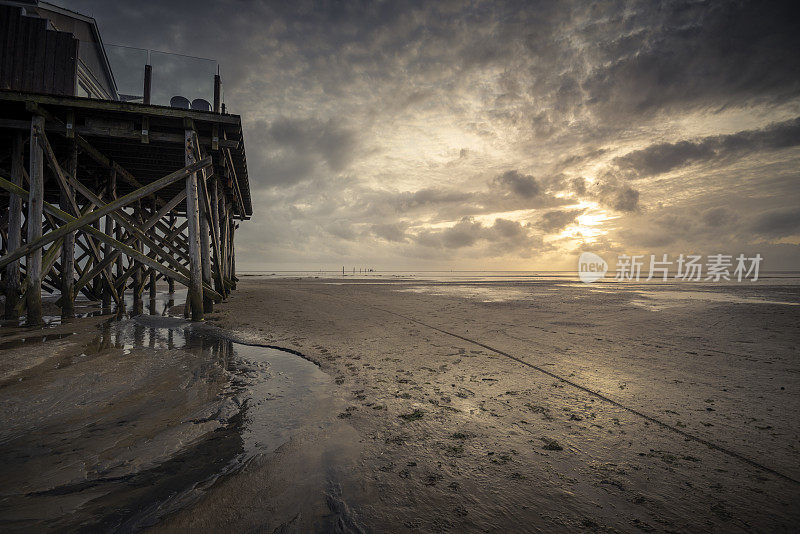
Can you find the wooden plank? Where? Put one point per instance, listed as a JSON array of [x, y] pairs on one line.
[[116, 106], [14, 235], [33, 295], [49, 62]]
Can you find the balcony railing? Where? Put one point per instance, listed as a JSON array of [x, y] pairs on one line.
[[175, 79]]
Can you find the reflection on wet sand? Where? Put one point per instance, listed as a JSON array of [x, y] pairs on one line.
[[116, 430]]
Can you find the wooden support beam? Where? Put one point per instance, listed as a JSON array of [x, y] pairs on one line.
[[205, 244], [14, 235], [33, 295], [170, 281], [138, 286], [94, 215], [194, 298], [109, 230], [66, 183], [69, 220], [130, 241], [233, 255], [219, 285], [68, 245]]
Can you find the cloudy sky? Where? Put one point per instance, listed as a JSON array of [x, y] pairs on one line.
[[500, 135]]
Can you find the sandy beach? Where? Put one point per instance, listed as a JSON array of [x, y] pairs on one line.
[[433, 406]]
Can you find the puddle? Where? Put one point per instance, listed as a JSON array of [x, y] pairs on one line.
[[480, 293], [144, 420], [657, 300], [19, 342]]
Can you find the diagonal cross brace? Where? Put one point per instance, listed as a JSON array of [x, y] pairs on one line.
[[70, 220], [77, 224]]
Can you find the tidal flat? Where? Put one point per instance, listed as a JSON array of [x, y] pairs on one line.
[[373, 404]]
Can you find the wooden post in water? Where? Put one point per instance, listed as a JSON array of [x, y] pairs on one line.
[[194, 298], [33, 263], [14, 230], [68, 247]]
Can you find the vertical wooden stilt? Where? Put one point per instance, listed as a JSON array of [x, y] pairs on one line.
[[152, 284], [225, 244], [233, 256], [68, 248], [33, 262], [205, 253], [215, 231], [14, 230], [107, 249], [138, 282], [120, 270], [195, 295], [171, 281]]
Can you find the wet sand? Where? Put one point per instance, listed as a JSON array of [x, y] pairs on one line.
[[508, 406], [458, 436]]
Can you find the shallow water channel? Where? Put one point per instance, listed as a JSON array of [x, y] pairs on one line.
[[146, 418]]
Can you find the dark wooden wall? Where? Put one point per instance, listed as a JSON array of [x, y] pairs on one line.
[[34, 58]]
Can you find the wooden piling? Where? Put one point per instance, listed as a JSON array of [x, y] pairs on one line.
[[14, 230], [233, 256], [205, 247], [33, 263], [107, 249], [195, 296], [171, 281], [138, 281], [68, 246], [220, 287]]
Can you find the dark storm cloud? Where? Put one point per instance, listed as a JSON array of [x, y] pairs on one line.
[[557, 220], [664, 157], [395, 232], [503, 236], [333, 142], [523, 185], [296, 147], [778, 223], [666, 54]]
